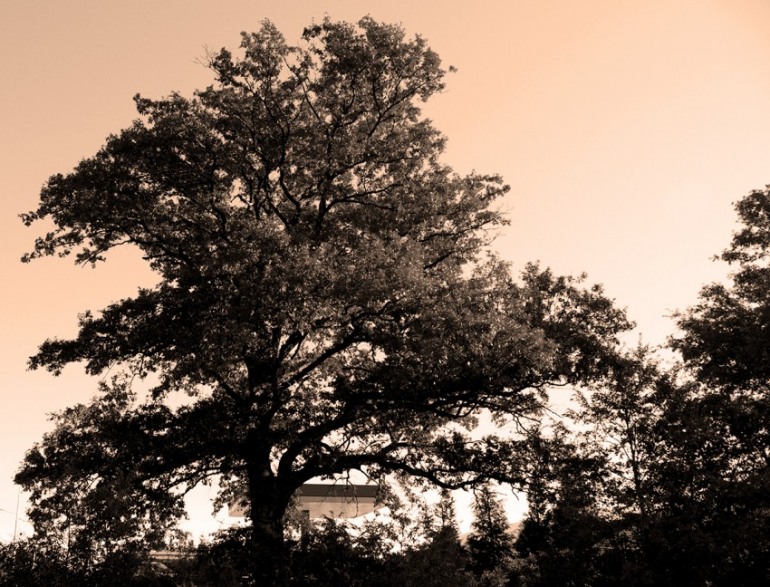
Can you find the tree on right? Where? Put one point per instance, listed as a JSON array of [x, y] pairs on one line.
[[724, 421], [660, 475]]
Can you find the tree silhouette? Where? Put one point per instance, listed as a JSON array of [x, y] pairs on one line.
[[324, 297]]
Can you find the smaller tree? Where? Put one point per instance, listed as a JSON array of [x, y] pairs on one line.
[[88, 498], [617, 417], [490, 543], [441, 560], [30, 563], [559, 540]]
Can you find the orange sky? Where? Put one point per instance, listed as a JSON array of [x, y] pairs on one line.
[[625, 130]]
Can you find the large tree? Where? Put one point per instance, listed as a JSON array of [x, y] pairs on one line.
[[324, 297]]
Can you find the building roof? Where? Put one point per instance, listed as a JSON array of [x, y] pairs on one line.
[[340, 490], [334, 500]]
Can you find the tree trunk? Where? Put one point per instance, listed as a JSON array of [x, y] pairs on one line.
[[269, 501]]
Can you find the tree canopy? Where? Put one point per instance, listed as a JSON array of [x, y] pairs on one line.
[[326, 299], [724, 335]]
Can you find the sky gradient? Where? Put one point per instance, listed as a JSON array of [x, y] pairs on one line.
[[625, 130]]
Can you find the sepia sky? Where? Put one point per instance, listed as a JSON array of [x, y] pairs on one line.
[[625, 130]]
